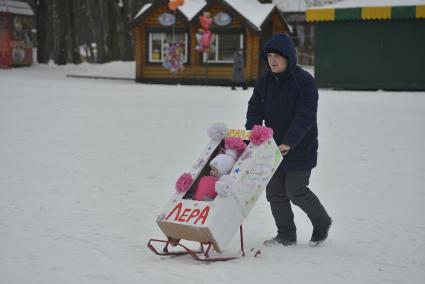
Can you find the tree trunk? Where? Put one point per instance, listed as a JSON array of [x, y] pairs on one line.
[[112, 14], [99, 29], [72, 43], [125, 40], [43, 32]]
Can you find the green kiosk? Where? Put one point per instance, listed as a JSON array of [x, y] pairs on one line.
[[370, 48]]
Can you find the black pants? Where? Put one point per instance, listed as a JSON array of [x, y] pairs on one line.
[[287, 187]]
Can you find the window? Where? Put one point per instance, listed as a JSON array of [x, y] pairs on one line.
[[158, 41], [225, 47]]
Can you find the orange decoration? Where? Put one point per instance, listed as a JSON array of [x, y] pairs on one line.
[[172, 5]]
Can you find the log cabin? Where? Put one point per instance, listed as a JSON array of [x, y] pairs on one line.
[[236, 24]]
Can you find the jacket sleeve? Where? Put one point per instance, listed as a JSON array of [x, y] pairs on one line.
[[305, 113], [255, 112]]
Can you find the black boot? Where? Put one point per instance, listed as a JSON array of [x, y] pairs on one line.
[[285, 240], [320, 234], [284, 220]]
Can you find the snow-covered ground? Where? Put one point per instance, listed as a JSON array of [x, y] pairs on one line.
[[115, 69], [86, 165]]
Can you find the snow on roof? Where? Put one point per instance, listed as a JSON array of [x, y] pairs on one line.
[[144, 9], [16, 7], [292, 5], [372, 3], [191, 7], [254, 11]]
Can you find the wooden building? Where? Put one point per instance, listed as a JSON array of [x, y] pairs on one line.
[[15, 33], [376, 46], [245, 24]]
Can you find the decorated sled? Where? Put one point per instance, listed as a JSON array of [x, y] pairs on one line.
[[214, 223]]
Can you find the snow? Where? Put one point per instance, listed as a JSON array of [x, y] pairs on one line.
[[372, 3], [16, 7], [86, 165], [115, 69], [292, 5], [254, 11], [144, 9], [192, 7]]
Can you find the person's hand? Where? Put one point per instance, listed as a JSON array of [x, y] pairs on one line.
[[284, 149]]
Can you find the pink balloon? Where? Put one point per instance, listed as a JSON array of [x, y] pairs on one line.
[[206, 39], [205, 21]]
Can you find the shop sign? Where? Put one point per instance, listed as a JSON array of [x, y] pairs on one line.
[[222, 19], [166, 19]]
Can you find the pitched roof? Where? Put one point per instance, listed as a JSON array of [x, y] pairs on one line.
[[143, 10], [192, 7], [16, 7], [292, 5], [252, 10], [189, 9]]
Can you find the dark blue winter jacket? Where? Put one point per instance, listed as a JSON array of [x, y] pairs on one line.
[[287, 102]]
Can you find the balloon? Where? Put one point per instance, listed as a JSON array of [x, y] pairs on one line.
[[206, 39], [173, 57], [179, 2], [172, 5], [205, 20]]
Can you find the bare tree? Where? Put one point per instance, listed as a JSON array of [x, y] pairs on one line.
[[98, 27]]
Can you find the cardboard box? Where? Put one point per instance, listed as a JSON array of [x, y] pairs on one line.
[[218, 220]]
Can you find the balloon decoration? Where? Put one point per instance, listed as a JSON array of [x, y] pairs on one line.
[[205, 39], [174, 51], [174, 4], [204, 36], [173, 57]]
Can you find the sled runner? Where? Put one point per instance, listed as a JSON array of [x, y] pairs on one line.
[[214, 223], [202, 254]]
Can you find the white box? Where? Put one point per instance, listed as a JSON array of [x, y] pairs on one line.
[[218, 220]]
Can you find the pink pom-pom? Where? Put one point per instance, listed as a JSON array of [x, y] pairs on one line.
[[260, 134], [234, 143], [184, 182]]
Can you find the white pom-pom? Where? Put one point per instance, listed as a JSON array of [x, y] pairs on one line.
[[224, 185], [218, 131]]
